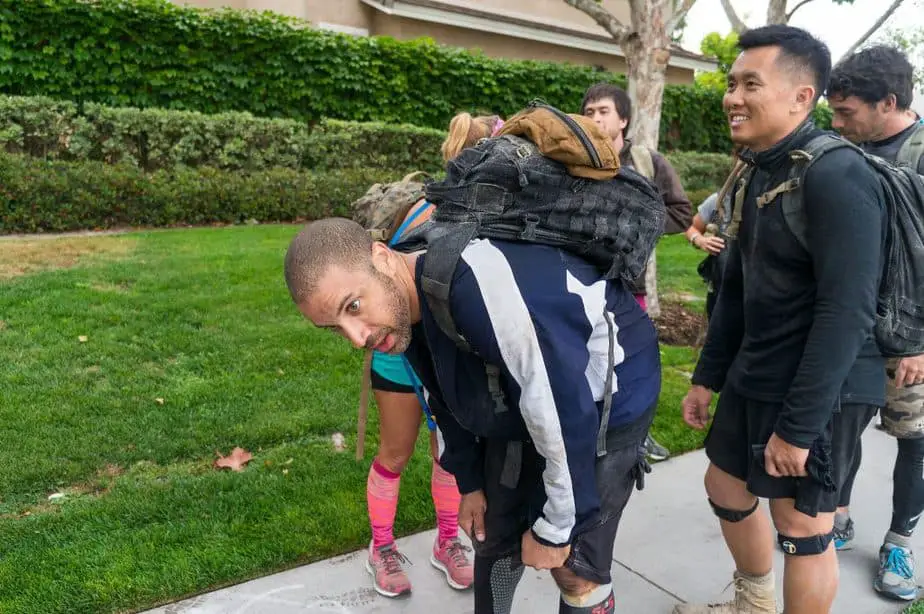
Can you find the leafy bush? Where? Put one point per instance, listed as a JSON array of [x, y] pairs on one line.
[[151, 138], [53, 196], [339, 144], [155, 54]]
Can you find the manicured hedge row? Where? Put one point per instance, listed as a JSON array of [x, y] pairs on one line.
[[52, 196], [155, 139]]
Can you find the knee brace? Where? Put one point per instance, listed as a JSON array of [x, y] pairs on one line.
[[805, 546], [598, 601], [732, 515]]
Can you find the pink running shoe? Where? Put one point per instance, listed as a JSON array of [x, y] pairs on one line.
[[450, 558], [388, 576]]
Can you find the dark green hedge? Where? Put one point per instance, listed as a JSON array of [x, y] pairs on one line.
[[52, 196], [155, 139], [38, 195], [150, 138], [153, 54]]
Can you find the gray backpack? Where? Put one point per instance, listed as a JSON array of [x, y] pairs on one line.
[[899, 325]]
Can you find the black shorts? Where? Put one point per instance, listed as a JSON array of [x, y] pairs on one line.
[[513, 508], [737, 439], [386, 385]]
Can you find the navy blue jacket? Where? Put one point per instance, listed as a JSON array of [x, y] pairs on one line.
[[536, 313]]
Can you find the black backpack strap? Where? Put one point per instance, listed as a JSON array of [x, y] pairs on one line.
[[607, 388], [791, 189], [436, 278]]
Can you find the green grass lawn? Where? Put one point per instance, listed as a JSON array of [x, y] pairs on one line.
[[916, 608], [125, 371]]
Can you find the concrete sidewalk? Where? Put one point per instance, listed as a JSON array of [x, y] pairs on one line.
[[669, 550]]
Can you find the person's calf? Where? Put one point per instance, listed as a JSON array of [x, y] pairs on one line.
[[908, 486], [744, 524], [581, 596], [810, 577], [496, 580]]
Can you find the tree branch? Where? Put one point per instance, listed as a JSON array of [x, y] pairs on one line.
[[603, 17], [737, 25], [885, 16], [796, 8], [679, 13]]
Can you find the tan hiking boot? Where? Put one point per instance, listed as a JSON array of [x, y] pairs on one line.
[[753, 595]]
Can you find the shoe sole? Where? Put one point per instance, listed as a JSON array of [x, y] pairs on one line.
[[879, 589], [381, 591], [440, 567]]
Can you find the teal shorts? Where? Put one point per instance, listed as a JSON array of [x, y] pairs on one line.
[[391, 367]]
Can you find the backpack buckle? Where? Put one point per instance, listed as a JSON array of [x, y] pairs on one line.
[[523, 151], [531, 222]]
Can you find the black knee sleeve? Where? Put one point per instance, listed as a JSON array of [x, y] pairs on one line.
[[805, 546], [496, 581], [732, 515]]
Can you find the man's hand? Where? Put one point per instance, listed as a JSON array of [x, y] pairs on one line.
[[537, 556], [713, 245], [696, 407], [784, 460], [910, 371], [471, 514]]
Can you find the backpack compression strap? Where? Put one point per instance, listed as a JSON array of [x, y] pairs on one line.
[[912, 149]]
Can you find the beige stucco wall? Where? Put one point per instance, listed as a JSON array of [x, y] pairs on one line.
[[355, 14], [554, 11], [496, 45]]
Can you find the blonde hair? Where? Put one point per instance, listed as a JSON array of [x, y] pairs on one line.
[[465, 131]]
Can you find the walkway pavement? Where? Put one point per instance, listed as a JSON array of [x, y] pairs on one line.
[[669, 550]]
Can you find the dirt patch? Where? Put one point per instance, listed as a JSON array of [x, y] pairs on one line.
[[679, 325], [24, 256]]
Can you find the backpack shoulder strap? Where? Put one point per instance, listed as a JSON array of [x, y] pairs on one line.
[[736, 184], [439, 266], [912, 150], [791, 189], [642, 161]]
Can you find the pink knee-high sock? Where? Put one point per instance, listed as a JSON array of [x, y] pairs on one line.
[[446, 499], [382, 498]]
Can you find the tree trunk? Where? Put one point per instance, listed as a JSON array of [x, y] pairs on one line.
[[776, 12], [647, 54]]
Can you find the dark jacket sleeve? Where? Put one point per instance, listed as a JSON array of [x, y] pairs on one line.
[[462, 453], [679, 209], [846, 220], [726, 326]]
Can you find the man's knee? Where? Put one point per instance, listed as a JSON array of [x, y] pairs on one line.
[[800, 534], [570, 583], [580, 596], [728, 496]]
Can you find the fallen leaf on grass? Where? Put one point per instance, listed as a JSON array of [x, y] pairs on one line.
[[234, 461], [82, 338], [159, 401], [2, 324]]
